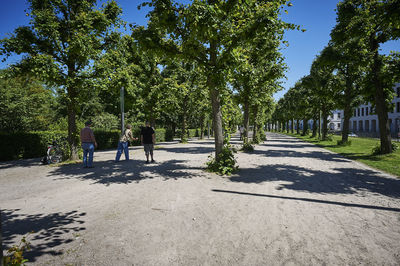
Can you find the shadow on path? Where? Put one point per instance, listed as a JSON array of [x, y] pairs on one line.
[[125, 172], [21, 163], [338, 181], [49, 230], [344, 204], [318, 155]]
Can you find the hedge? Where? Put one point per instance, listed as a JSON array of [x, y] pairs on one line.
[[27, 145], [191, 132]]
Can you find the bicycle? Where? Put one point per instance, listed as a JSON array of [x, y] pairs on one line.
[[54, 154]]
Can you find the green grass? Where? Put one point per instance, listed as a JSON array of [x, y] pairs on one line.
[[360, 150]]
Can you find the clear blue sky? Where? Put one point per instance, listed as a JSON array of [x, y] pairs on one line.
[[318, 17]]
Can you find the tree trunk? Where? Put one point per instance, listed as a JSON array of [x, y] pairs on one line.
[[73, 138], [381, 108], [184, 137], [217, 121], [346, 120], [315, 128], [202, 117], [246, 110], [292, 129], [297, 127], [324, 124], [305, 127]]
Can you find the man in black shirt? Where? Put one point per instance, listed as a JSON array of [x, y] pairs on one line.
[[148, 139]]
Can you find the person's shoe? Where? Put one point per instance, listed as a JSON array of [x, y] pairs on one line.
[[85, 167], [147, 162], [153, 161], [90, 167]]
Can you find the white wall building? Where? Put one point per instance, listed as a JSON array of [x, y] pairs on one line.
[[365, 122]]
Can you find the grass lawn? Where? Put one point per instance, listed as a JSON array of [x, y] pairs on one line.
[[359, 150]]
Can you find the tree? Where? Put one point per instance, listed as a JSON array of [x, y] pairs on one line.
[[349, 61], [25, 103], [59, 46], [372, 23], [322, 80], [210, 33]]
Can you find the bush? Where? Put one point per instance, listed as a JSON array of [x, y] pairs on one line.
[[377, 149], [107, 139], [191, 132], [28, 145], [247, 147], [169, 135], [25, 145], [226, 165], [343, 143]]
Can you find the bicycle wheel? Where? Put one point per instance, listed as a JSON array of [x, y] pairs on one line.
[[55, 155]]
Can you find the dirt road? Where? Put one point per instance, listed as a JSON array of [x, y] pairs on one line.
[[291, 203]]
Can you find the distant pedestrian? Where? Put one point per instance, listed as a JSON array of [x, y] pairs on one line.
[[241, 130], [148, 139], [123, 144], [88, 143]]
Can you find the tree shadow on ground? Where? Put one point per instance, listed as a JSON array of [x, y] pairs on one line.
[[21, 163], [336, 181], [49, 230], [188, 150], [344, 204], [298, 145], [318, 155], [125, 172]]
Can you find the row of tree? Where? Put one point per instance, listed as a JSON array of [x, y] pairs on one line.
[[350, 70], [205, 61]]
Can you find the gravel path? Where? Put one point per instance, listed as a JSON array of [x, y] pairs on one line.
[[291, 203]]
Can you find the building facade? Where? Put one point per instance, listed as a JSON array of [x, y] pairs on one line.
[[365, 122]]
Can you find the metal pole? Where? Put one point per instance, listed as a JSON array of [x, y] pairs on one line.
[[122, 110]]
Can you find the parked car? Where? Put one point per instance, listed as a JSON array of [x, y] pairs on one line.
[[352, 135]]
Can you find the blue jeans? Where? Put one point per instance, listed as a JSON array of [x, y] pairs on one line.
[[88, 147], [122, 146]]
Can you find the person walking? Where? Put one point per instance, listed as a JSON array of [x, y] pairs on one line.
[[88, 143], [123, 144], [148, 139]]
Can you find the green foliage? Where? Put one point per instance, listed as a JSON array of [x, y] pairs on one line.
[[378, 150], [25, 104], [59, 46], [27, 145], [247, 147], [160, 134], [106, 122], [14, 255], [107, 139], [169, 135], [343, 143], [226, 163]]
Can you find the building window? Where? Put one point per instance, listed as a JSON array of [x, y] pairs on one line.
[[355, 113], [358, 112], [338, 125], [367, 125], [398, 107], [366, 111], [338, 116], [362, 111], [398, 92], [360, 125]]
